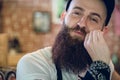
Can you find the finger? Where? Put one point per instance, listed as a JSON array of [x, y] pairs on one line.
[[90, 37], [101, 38], [86, 39], [87, 47], [95, 36]]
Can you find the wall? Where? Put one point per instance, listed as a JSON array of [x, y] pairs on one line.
[[18, 21], [1, 2]]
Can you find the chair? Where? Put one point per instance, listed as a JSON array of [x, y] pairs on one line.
[[2, 76]]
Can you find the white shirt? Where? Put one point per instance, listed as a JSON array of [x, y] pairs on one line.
[[38, 65]]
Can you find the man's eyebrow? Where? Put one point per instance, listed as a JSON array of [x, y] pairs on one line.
[[96, 14], [92, 13], [78, 8]]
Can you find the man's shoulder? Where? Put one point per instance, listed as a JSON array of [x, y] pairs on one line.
[[43, 55], [36, 64], [44, 52]]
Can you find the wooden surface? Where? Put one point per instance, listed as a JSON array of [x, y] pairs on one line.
[[3, 49], [13, 59]]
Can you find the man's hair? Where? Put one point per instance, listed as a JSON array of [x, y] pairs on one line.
[[110, 4]]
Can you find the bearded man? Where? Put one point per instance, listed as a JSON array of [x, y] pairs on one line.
[[79, 51]]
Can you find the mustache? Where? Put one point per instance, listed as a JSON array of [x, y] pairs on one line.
[[78, 28]]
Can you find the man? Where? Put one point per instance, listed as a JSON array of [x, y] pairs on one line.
[[116, 18], [79, 51]]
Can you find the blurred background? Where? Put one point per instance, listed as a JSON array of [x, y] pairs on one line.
[[28, 25]]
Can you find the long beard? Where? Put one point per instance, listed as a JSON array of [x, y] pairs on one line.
[[70, 54]]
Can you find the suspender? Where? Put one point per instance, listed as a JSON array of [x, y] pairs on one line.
[[59, 73]]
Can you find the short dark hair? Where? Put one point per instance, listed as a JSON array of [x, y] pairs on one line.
[[110, 4]]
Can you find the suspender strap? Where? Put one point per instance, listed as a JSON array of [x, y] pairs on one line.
[[59, 73]]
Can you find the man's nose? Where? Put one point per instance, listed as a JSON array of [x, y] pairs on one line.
[[82, 22]]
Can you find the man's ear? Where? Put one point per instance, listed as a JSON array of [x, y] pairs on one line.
[[105, 29], [62, 17]]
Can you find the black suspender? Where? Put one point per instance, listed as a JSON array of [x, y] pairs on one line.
[[59, 73]]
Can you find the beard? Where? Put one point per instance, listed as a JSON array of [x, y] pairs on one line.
[[68, 53]]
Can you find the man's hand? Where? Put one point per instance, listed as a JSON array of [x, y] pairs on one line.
[[97, 47]]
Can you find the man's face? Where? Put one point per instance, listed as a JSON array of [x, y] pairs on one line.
[[82, 17], [68, 53], [85, 16]]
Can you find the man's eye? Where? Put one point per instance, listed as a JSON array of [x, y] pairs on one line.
[[77, 13], [94, 20]]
